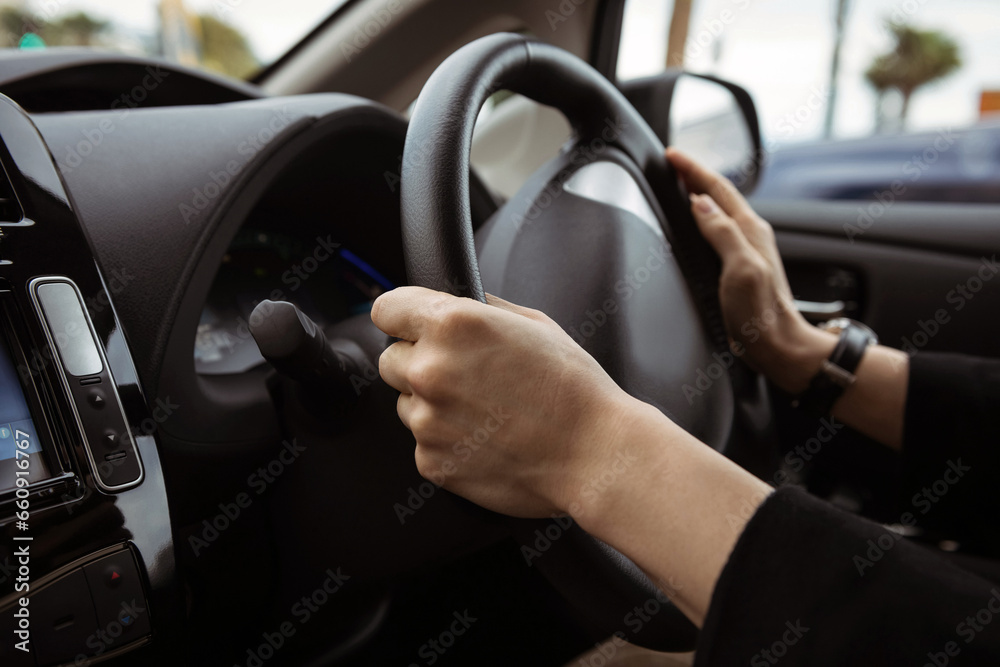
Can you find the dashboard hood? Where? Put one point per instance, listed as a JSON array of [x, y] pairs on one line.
[[160, 227]]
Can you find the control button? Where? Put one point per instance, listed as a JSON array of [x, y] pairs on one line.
[[110, 439], [63, 622], [119, 468], [96, 399], [69, 328], [122, 610], [112, 576]]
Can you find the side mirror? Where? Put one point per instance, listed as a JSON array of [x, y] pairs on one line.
[[713, 120]]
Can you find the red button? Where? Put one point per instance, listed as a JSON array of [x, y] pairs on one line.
[[112, 577]]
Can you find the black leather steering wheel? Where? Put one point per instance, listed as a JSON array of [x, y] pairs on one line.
[[612, 204]]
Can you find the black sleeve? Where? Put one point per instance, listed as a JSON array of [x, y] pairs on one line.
[[951, 457], [808, 584]]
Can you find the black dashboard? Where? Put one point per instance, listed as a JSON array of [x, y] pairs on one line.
[[84, 560], [135, 244]]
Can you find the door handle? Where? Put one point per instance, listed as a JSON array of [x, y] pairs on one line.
[[821, 310]]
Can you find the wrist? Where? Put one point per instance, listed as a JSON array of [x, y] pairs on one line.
[[793, 364], [634, 447]]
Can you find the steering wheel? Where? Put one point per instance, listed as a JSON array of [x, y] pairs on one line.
[[602, 240]]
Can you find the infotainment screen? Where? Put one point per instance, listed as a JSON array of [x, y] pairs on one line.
[[18, 436]]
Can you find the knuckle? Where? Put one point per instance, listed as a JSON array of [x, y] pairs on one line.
[[424, 460], [721, 225], [749, 273], [539, 316], [385, 361], [764, 230], [725, 193], [427, 377], [456, 319], [422, 422]]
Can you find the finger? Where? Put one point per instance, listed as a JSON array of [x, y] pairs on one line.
[[720, 230], [404, 408], [405, 311], [393, 363], [702, 180], [530, 313]]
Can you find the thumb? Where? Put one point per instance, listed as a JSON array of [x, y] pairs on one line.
[[721, 231]]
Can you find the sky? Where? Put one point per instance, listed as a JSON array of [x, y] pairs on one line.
[[780, 50]]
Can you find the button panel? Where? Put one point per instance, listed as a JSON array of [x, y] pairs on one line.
[[85, 613], [86, 376], [118, 599], [63, 620]]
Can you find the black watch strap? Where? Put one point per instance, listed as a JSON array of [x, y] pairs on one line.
[[837, 373]]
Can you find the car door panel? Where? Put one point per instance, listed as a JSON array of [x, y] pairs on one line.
[[927, 275]]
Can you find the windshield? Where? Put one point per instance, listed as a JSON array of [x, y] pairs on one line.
[[233, 37]]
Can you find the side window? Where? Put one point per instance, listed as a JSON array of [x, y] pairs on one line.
[[857, 100]]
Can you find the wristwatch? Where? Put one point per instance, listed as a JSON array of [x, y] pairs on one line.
[[837, 372]]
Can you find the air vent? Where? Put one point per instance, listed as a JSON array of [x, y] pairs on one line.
[[10, 209]]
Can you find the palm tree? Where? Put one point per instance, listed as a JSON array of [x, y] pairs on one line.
[[918, 58]]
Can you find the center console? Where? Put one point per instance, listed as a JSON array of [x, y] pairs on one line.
[[87, 569]]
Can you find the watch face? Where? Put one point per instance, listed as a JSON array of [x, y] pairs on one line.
[[838, 325]]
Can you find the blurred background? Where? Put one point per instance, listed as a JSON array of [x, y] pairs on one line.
[[852, 89], [232, 37], [859, 67]]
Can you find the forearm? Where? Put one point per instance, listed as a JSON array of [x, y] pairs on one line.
[[677, 511]]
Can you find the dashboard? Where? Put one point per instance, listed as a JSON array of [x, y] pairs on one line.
[[137, 403]]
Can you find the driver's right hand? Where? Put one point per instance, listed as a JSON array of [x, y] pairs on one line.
[[759, 312]]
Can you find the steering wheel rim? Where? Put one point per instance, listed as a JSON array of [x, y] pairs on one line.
[[437, 227], [441, 254]]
